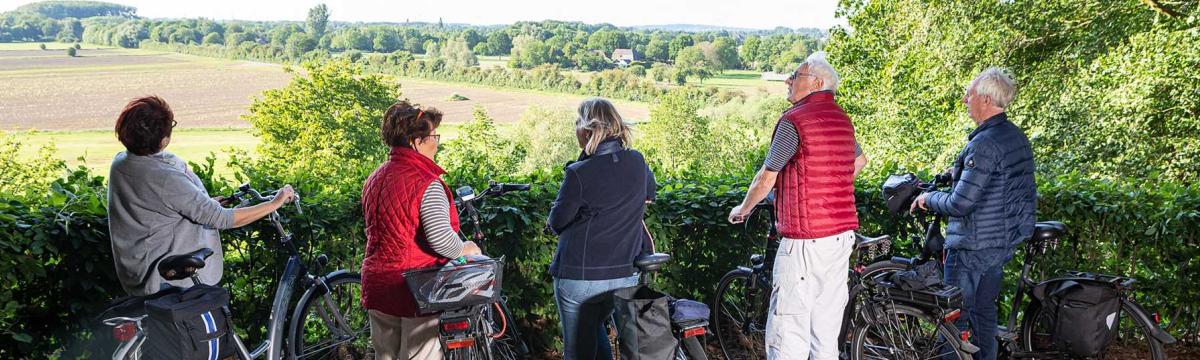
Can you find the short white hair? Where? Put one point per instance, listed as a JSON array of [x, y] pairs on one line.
[[819, 67], [996, 84]]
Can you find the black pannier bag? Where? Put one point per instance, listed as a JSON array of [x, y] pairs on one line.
[[899, 192], [186, 325], [1085, 313], [644, 324]]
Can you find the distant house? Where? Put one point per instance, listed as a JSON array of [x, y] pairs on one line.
[[623, 57]]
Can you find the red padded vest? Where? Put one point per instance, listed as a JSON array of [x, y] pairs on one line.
[[816, 187], [391, 202]]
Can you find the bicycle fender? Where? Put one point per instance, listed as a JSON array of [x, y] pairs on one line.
[[1139, 314]]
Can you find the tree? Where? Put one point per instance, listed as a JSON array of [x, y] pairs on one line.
[[42, 46], [606, 41], [472, 38], [71, 51], [318, 19], [677, 44], [725, 50], [499, 43], [387, 40], [591, 61], [692, 62], [456, 53], [336, 146], [748, 52], [658, 49], [214, 39], [300, 43]]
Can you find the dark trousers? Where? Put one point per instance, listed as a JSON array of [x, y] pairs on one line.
[[980, 289]]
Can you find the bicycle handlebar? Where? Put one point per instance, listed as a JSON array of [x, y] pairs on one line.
[[246, 196]]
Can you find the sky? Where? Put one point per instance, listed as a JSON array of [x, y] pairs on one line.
[[752, 14]]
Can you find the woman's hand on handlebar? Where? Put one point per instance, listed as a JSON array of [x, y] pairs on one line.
[[283, 196], [470, 248]]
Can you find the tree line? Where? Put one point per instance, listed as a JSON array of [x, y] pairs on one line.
[[528, 44]]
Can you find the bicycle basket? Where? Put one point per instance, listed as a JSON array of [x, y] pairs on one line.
[[899, 192], [456, 286]]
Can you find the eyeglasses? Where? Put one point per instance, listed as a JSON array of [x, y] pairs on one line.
[[436, 137], [173, 123], [796, 74]]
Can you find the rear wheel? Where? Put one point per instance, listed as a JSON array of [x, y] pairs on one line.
[[505, 343], [852, 318], [740, 321], [1133, 339], [332, 324], [903, 333]]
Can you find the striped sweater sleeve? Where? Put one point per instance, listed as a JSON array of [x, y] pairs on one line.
[[435, 221]]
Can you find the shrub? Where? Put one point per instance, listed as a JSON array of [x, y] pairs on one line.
[[71, 51]]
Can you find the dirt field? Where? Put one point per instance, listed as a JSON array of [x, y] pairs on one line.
[[46, 90]]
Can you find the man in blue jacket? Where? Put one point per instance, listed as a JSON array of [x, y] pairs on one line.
[[990, 205]]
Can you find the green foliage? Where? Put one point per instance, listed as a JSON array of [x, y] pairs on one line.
[[547, 137], [318, 19], [71, 51], [330, 113], [23, 179], [1099, 92], [77, 9]]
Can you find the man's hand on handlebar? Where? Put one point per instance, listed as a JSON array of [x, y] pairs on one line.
[[739, 214], [919, 202]]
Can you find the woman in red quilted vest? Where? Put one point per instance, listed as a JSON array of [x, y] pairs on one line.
[[411, 223]]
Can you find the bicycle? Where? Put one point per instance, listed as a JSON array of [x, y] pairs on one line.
[[898, 323], [482, 330], [688, 335], [326, 322], [743, 295], [1138, 334]]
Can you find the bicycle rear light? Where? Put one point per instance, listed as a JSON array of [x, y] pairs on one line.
[[460, 343], [456, 326], [965, 335], [124, 332], [953, 315], [696, 331]]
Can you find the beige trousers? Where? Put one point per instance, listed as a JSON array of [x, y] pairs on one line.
[[397, 338]]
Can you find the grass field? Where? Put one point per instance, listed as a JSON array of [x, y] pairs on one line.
[[748, 81], [97, 147], [49, 46]]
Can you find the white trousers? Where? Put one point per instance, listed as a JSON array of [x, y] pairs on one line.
[[809, 297]]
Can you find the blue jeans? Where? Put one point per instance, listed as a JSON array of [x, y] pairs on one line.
[[584, 307], [980, 289]]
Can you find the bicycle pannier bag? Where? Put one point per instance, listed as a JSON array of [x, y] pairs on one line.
[[186, 325], [1085, 314], [644, 324]]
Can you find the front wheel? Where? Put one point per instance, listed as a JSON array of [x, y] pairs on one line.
[[1133, 339], [904, 332], [740, 315], [330, 322]]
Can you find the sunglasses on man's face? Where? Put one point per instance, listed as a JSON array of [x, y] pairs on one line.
[[797, 74]]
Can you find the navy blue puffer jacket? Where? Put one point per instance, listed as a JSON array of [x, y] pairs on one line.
[[992, 202]]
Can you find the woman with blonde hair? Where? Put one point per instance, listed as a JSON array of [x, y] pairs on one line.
[[598, 219]]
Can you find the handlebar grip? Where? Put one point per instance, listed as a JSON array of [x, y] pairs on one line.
[[514, 187], [902, 260]]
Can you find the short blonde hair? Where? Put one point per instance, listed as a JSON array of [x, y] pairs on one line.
[[599, 117], [996, 84]]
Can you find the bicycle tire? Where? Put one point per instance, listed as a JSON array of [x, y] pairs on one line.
[[508, 346], [741, 334], [942, 331], [851, 318], [1039, 340], [311, 337]]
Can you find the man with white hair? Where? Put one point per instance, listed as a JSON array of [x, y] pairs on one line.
[[990, 205], [811, 164]]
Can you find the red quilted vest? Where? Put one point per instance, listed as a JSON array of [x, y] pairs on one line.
[[816, 187], [391, 202]]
